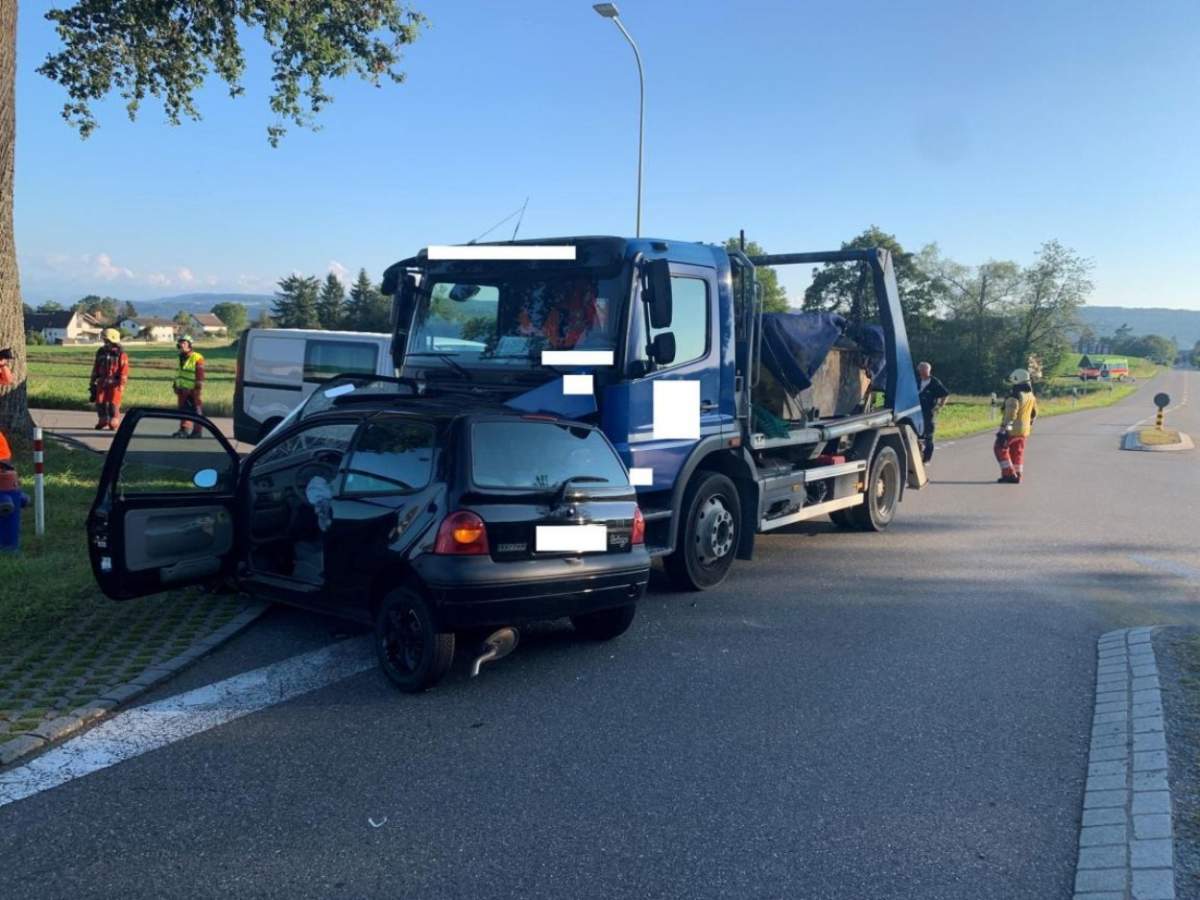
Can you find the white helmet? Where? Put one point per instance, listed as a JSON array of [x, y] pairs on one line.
[[1018, 376]]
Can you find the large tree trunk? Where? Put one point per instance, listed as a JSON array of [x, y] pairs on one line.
[[14, 409]]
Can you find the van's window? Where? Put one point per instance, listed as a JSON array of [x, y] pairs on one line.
[[390, 457], [689, 319], [324, 359], [273, 359], [525, 454], [155, 461], [320, 437]]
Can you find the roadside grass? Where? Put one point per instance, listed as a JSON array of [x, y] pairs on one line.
[[1153, 437], [62, 643], [59, 377], [972, 414]]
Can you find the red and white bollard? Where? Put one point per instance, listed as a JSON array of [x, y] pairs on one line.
[[39, 484]]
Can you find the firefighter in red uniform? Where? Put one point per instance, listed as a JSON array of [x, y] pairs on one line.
[[110, 373]]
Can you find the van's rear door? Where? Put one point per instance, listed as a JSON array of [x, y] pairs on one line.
[[548, 487]]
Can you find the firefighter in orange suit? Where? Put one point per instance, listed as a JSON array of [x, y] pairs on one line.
[[110, 374]]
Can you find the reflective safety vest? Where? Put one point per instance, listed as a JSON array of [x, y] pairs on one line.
[[1019, 414], [185, 376]]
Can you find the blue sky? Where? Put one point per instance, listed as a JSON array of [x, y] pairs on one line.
[[987, 128]]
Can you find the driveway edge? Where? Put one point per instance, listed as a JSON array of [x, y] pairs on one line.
[[56, 729], [1126, 844]]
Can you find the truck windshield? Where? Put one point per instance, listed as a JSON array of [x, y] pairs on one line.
[[489, 321]]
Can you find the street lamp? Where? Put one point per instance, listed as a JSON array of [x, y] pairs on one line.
[[609, 11]]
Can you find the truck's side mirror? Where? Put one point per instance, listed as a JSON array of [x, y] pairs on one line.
[[662, 348], [658, 300]]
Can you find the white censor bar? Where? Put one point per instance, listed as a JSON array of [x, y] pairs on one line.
[[577, 357], [572, 538], [449, 252]]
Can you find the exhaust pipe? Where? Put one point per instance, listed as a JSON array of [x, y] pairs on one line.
[[497, 646]]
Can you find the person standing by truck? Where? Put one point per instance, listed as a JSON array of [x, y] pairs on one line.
[[1020, 409], [110, 374], [189, 382], [932, 394]]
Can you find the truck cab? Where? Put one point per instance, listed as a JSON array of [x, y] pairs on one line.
[[660, 344]]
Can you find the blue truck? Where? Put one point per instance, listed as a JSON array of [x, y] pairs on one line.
[[732, 422]]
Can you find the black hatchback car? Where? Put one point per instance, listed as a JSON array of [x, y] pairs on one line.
[[421, 516]]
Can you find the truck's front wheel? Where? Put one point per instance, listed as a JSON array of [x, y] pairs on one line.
[[708, 533]]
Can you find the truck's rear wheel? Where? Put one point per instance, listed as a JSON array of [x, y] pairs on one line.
[[883, 493], [708, 534]]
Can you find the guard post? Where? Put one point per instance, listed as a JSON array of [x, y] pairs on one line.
[[39, 484]]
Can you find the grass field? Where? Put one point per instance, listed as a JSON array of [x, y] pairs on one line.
[[59, 376], [968, 414]]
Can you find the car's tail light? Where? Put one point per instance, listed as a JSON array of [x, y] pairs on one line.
[[462, 533], [639, 526]]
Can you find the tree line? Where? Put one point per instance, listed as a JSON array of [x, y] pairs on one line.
[[304, 301]]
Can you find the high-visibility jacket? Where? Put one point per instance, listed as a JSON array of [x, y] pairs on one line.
[[1019, 413], [190, 372]]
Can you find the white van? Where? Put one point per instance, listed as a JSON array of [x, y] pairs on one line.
[[279, 367]]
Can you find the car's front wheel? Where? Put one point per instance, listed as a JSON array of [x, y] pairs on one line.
[[411, 651], [606, 624]]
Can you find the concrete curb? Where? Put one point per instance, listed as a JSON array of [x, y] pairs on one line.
[[1126, 845], [1129, 441], [57, 729]]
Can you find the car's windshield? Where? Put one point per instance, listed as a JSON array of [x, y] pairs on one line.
[[482, 321]]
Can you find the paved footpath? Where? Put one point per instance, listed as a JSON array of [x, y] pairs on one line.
[[900, 715], [78, 425]]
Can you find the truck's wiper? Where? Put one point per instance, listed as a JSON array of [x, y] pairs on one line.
[[448, 359]]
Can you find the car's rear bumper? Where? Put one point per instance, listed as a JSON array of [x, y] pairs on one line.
[[475, 591]]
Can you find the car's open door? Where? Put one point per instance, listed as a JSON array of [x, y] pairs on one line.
[[164, 510]]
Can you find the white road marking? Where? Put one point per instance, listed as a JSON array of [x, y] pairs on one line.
[[1180, 570], [136, 731], [513, 251]]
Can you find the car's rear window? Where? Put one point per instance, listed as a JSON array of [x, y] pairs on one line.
[[526, 454]]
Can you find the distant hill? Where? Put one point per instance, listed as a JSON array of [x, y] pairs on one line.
[[1181, 324], [166, 307]]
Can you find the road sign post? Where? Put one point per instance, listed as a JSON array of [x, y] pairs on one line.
[[1162, 401]]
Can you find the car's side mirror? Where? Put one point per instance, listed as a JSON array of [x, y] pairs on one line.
[[205, 479], [657, 294], [662, 348]]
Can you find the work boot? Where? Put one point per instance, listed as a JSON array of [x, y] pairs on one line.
[[99, 426], [1006, 479], [181, 433], [197, 433]]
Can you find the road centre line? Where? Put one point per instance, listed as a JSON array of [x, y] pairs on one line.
[[144, 728]]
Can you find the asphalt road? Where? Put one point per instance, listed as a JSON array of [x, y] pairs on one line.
[[896, 715]]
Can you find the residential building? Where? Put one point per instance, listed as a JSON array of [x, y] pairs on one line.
[[207, 324], [64, 327]]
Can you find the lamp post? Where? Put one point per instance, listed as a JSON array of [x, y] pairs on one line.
[[609, 11]]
